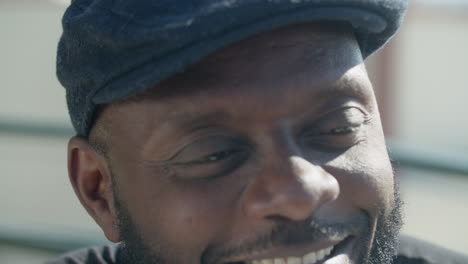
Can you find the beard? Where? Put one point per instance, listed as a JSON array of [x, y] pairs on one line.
[[383, 247], [385, 244]]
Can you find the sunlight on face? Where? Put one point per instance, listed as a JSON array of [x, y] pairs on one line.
[[259, 152]]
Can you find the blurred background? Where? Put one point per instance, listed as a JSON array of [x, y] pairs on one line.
[[421, 80]]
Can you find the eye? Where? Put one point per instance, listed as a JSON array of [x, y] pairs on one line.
[[339, 129], [342, 130], [219, 156], [208, 158]]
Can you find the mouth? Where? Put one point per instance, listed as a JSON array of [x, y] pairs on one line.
[[319, 255], [311, 257]]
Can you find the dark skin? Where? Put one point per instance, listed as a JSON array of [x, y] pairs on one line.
[[276, 131]]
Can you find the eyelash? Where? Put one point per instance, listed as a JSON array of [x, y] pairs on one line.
[[211, 158], [347, 129], [342, 130], [226, 154], [214, 165], [222, 155]]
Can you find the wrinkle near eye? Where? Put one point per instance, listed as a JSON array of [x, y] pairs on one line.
[[202, 148], [337, 130], [342, 119], [209, 157]]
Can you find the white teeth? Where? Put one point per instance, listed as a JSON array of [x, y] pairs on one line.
[[309, 258], [320, 254]]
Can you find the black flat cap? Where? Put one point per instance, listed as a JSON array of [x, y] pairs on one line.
[[112, 49]]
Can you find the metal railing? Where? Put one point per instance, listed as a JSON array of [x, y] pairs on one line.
[[36, 128], [427, 158], [52, 240], [403, 155]]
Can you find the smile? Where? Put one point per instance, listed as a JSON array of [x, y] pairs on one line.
[[317, 254], [309, 258]]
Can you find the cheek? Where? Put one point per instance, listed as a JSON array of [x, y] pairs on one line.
[[365, 176], [182, 216]]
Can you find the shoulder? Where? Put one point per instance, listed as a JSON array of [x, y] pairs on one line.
[[94, 255], [414, 251]]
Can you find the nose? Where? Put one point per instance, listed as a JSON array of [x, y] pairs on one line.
[[291, 188]]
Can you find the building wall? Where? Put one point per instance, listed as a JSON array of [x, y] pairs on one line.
[[29, 35], [35, 194], [429, 109], [431, 85]]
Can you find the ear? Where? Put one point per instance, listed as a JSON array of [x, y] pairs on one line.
[[92, 183]]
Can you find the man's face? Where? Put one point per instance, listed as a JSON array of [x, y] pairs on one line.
[[269, 151]]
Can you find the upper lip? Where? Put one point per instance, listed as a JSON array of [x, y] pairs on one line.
[[285, 251]]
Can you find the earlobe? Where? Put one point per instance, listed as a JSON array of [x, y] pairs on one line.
[[92, 183]]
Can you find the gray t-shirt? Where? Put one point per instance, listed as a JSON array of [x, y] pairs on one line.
[[412, 251]]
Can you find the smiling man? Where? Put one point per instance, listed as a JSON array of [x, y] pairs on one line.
[[232, 132]]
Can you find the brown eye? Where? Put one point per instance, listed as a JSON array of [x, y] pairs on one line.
[[339, 129], [221, 155], [342, 121], [209, 157]]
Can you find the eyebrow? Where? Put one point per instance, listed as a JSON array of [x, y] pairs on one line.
[[192, 124], [346, 86]]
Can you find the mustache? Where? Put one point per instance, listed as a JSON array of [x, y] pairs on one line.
[[289, 234]]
